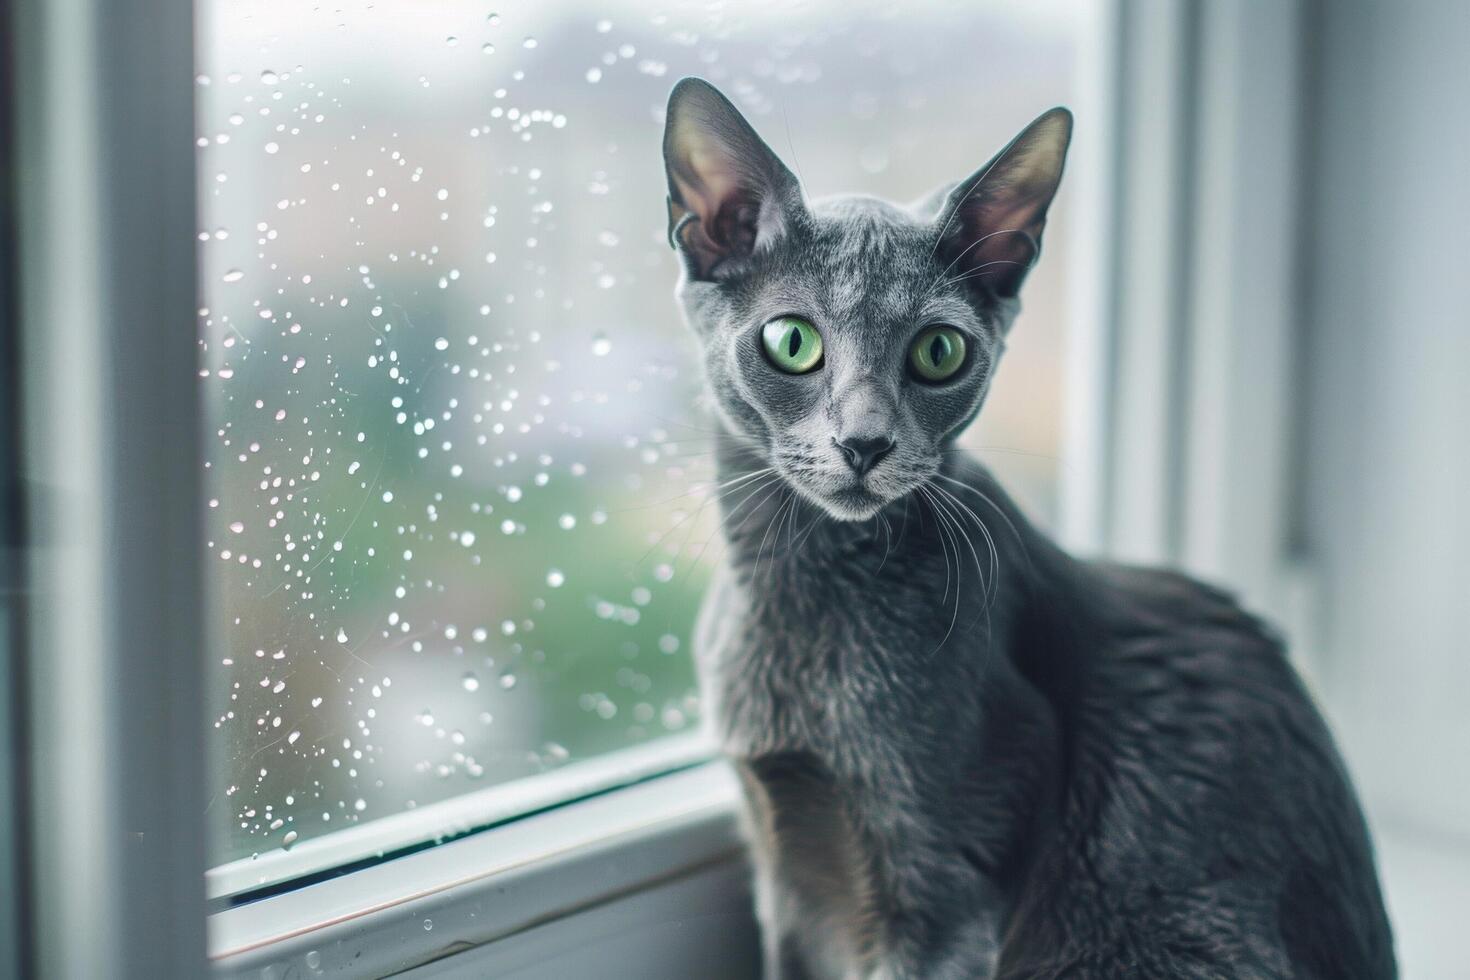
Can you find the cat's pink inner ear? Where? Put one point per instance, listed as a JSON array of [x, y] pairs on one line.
[[723, 180], [705, 176], [706, 183], [998, 216]]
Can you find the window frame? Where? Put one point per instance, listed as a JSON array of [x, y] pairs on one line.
[[105, 339], [488, 891], [12, 762], [1197, 416], [109, 443], [389, 837]]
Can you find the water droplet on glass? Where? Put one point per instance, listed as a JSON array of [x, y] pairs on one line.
[[289, 839], [428, 924], [507, 681], [487, 48], [470, 683], [555, 578], [441, 343], [451, 40], [237, 526], [594, 75], [601, 345], [341, 635], [269, 77], [566, 522], [314, 960], [528, 43], [234, 275], [272, 147]]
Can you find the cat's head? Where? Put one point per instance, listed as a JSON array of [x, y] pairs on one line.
[[847, 341]]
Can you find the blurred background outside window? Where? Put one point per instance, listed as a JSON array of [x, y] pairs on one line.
[[457, 469]]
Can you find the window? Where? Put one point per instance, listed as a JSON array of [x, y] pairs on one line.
[[1214, 215], [457, 518]]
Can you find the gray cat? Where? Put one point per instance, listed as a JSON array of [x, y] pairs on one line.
[[965, 753]]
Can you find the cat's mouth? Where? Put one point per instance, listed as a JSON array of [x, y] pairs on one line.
[[854, 503], [845, 499], [843, 494]]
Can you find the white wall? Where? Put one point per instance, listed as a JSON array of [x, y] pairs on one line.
[[1384, 512], [1387, 373]]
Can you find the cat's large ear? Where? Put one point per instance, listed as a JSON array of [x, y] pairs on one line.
[[990, 224], [729, 195]]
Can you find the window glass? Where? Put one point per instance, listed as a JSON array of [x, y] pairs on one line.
[[457, 530]]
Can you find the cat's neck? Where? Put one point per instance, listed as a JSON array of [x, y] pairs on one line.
[[961, 540]]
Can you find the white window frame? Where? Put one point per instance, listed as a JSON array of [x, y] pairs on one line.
[[110, 442], [1193, 425], [112, 860]]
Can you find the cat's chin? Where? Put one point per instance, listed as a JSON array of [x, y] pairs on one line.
[[853, 504]]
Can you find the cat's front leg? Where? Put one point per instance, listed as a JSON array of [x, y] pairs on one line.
[[781, 955]]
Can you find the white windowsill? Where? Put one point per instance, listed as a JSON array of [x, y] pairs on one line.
[[468, 895], [452, 817]]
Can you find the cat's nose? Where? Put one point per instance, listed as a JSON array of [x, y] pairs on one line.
[[864, 452]]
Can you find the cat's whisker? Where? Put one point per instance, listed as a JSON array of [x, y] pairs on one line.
[[777, 516], [716, 433], [938, 283], [993, 590], [696, 512], [984, 497], [944, 538], [980, 270], [887, 542], [943, 524], [1009, 450], [691, 515], [958, 526], [986, 587], [697, 488], [790, 523], [924, 497], [819, 516], [735, 531], [726, 536], [987, 590]]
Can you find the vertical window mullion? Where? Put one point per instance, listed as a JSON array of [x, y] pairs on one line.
[[110, 458]]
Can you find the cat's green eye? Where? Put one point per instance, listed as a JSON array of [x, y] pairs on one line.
[[937, 354], [792, 344]]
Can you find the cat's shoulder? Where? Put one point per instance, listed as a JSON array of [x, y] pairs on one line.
[[1162, 619]]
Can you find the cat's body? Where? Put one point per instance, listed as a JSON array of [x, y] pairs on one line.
[[965, 753], [1101, 772]]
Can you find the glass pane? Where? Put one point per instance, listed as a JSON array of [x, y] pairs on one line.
[[455, 519]]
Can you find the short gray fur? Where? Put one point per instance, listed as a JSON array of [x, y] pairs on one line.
[[965, 753]]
